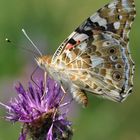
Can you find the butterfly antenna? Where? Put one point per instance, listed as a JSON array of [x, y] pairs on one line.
[[24, 32], [23, 48]]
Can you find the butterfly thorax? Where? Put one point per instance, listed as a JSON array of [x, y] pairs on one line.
[[54, 71], [44, 62]]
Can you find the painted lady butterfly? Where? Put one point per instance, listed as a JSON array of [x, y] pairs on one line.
[[95, 58]]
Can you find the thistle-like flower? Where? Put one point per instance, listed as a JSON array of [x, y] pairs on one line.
[[40, 115]]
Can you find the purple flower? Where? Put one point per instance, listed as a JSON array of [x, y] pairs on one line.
[[41, 115]]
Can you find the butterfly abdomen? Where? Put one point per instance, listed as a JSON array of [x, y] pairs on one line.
[[79, 95]]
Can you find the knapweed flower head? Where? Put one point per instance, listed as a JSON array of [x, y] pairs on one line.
[[40, 113]]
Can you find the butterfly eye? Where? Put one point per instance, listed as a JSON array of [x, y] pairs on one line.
[[117, 76], [41, 64]]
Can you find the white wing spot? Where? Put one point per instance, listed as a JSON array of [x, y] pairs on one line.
[[120, 17], [117, 25], [125, 4], [82, 46], [100, 20], [96, 61], [80, 37], [112, 5], [119, 10]]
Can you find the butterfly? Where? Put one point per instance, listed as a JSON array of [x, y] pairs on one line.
[[95, 58]]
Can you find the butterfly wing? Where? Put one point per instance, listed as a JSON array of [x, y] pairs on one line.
[[116, 17], [96, 56]]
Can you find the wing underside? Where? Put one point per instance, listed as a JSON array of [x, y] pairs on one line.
[[96, 55], [116, 17], [103, 66]]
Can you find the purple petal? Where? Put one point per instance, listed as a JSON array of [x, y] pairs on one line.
[[32, 110], [50, 133], [22, 135]]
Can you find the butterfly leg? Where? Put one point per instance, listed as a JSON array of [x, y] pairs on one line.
[[63, 95], [45, 82], [32, 79], [60, 103], [79, 95], [45, 85], [67, 103]]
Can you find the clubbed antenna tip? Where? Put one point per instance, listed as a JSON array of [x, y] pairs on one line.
[[24, 32]]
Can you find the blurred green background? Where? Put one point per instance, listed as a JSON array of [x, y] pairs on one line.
[[48, 23]]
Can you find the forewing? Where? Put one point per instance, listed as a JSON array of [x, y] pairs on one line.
[[115, 17], [96, 56]]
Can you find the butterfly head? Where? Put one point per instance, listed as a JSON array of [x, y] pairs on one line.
[[44, 62]]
